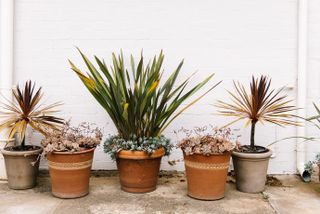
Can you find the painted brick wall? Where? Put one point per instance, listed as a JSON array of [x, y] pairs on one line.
[[231, 38]]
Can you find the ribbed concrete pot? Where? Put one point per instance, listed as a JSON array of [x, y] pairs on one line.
[[251, 170], [138, 171], [207, 175], [70, 173], [22, 168]]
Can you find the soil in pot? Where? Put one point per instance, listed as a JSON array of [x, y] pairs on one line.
[[251, 170], [207, 175], [22, 165], [138, 171], [70, 173]]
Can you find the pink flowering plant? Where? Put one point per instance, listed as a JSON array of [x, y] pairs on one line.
[[71, 138], [207, 141]]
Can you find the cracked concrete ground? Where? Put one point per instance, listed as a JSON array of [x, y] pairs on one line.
[[293, 196]]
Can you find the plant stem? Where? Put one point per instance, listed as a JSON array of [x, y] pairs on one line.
[[253, 127], [23, 142]]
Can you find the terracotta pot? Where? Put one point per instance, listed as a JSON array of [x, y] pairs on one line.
[[70, 173], [139, 171], [251, 170], [206, 175], [22, 167]]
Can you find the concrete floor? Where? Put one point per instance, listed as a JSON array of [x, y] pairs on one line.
[[292, 196]]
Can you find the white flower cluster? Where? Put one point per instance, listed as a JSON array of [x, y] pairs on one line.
[[71, 139], [115, 143], [201, 141]]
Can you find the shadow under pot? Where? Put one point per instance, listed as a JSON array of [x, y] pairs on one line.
[[251, 170], [207, 175], [138, 171], [22, 166], [70, 173]]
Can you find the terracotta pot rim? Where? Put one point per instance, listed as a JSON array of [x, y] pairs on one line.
[[22, 153], [252, 155], [217, 154], [74, 153], [138, 155]]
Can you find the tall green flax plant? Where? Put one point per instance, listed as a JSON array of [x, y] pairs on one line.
[[139, 103]]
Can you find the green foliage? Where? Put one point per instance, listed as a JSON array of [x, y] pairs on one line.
[[315, 120], [114, 144], [136, 101], [309, 167]]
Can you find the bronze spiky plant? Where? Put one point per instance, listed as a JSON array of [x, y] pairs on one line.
[[26, 109], [260, 104]]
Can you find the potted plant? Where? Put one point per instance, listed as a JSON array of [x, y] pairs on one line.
[[141, 109], [70, 152], [207, 157], [260, 104], [309, 166], [22, 161]]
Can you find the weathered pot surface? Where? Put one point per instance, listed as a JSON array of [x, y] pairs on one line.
[[22, 167], [319, 171], [207, 175], [70, 173], [251, 170], [138, 171], [4, 143]]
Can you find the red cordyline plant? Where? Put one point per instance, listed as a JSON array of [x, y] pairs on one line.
[[26, 109], [259, 104]]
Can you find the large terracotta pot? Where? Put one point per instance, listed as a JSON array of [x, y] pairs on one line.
[[22, 167], [70, 173], [139, 171], [251, 170], [206, 175]]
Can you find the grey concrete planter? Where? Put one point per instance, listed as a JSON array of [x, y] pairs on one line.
[[251, 170], [22, 174]]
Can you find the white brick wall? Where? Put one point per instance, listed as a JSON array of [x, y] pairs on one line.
[[313, 72], [232, 38], [0, 33]]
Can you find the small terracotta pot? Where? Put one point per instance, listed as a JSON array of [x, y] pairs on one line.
[[139, 171], [70, 173], [206, 175]]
